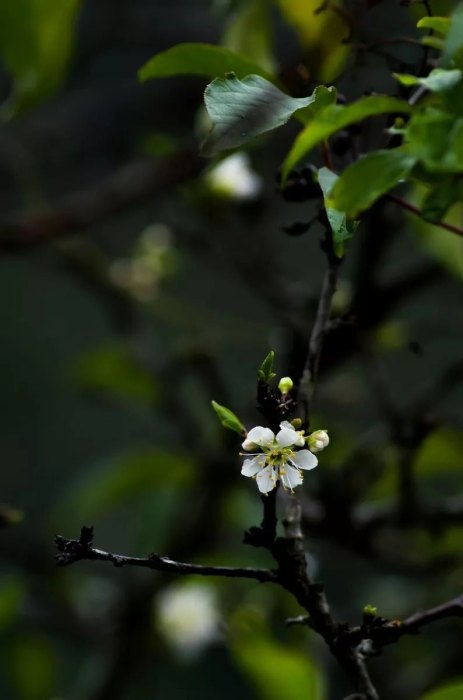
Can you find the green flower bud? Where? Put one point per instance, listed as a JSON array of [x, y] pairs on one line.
[[370, 610], [285, 385]]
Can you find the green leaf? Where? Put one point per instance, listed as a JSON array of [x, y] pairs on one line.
[[454, 40], [335, 117], [36, 653], [440, 198], [443, 245], [321, 35], [265, 372], [452, 691], [36, 41], [322, 97], [199, 59], [363, 182], [437, 24], [250, 34], [440, 453], [277, 671], [438, 80], [436, 138], [125, 478], [228, 418], [240, 110], [343, 229], [434, 42], [112, 370]]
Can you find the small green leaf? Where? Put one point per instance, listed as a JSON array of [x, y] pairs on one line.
[[343, 229], [438, 80], [335, 117], [240, 110], [440, 198], [198, 59], [228, 418], [434, 42], [265, 372], [452, 691], [437, 24], [363, 182]]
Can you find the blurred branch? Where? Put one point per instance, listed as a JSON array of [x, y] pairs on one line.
[[72, 551], [319, 329], [77, 212]]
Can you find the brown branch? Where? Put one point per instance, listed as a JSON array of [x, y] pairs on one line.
[[417, 211], [71, 551]]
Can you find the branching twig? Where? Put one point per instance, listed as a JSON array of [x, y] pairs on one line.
[[71, 551]]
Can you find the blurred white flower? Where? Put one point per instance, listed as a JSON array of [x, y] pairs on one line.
[[234, 178], [278, 460], [188, 618], [152, 261]]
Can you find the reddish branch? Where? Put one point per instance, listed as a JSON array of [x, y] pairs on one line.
[[417, 211]]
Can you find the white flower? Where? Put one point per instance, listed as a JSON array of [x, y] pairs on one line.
[[318, 440], [233, 178], [188, 618], [278, 461]]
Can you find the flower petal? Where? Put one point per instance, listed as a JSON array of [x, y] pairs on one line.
[[286, 424], [291, 478], [304, 459], [263, 437], [266, 480], [287, 437], [251, 467]]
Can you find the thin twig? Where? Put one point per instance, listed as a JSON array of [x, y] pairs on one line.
[[71, 551], [416, 210]]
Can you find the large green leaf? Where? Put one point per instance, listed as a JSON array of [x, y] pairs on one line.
[[111, 369], [363, 182], [277, 671], [454, 41], [438, 80], [440, 198], [128, 477], [335, 117], [343, 229], [199, 59], [36, 40], [452, 691], [240, 110], [436, 138]]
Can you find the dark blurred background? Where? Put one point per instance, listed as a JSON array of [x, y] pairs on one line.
[[135, 287]]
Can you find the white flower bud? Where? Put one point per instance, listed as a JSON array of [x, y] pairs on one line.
[[285, 385], [318, 440]]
